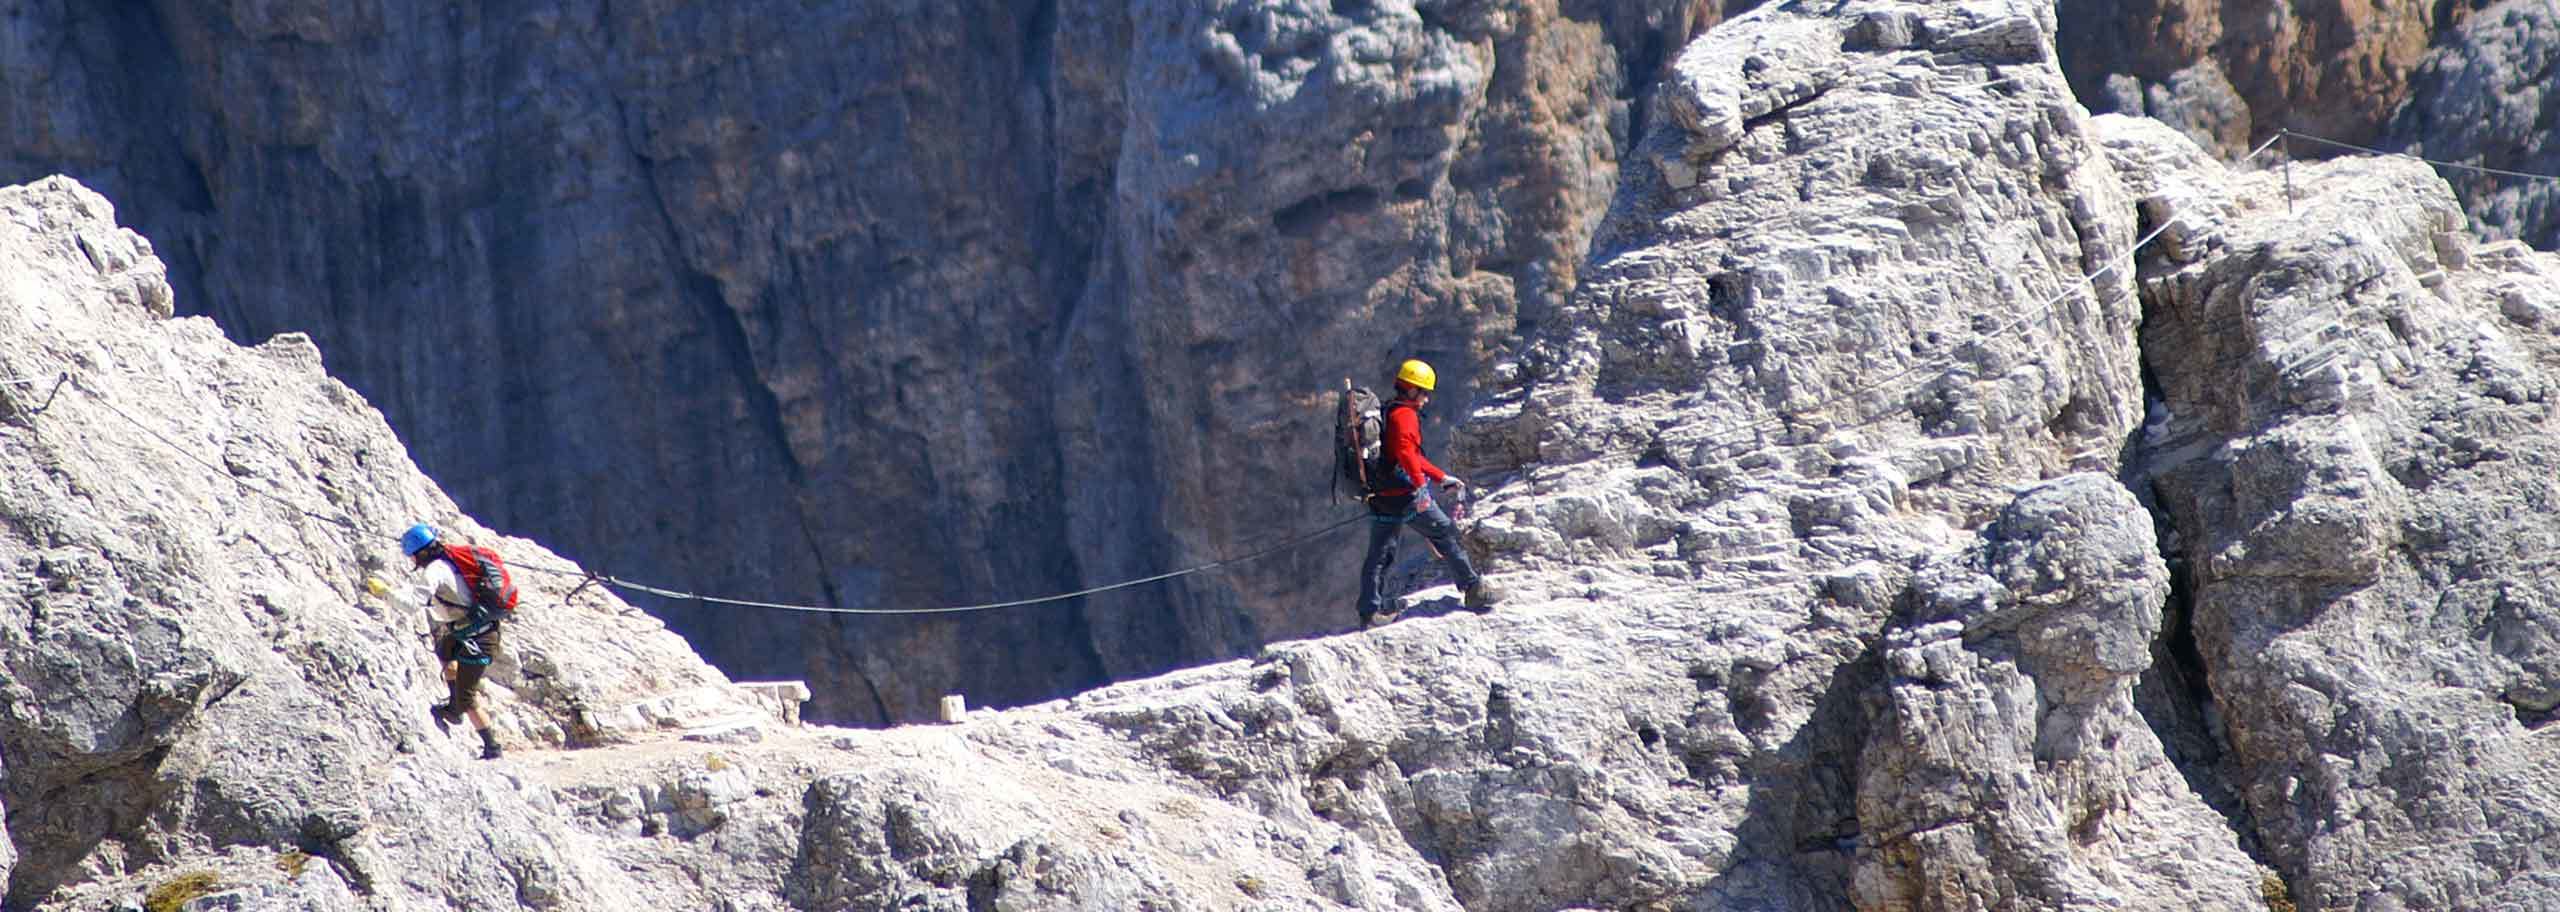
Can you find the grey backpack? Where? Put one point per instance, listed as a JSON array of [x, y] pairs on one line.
[[1359, 458]]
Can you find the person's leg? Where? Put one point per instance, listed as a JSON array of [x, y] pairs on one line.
[[462, 693], [488, 642], [445, 713], [466, 702], [1373, 569], [1443, 535]]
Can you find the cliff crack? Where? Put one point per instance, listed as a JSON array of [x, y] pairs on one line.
[[726, 326]]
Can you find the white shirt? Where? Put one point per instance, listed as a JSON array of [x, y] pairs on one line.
[[445, 599]]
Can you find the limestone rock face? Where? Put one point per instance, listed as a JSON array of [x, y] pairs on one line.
[[200, 692], [1668, 712], [1798, 346], [2352, 444], [875, 305], [1843, 308], [2012, 771], [2464, 82], [1839, 522], [2229, 74], [2485, 99], [8, 849], [193, 662], [703, 293]]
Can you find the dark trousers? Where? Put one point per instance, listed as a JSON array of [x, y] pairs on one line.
[[1434, 526]]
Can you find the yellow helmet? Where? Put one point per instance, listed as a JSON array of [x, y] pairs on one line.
[[1416, 374]]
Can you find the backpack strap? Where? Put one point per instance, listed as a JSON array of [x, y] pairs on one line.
[[1341, 424], [468, 568]]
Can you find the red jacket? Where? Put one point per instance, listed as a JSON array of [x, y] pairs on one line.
[[1403, 438]]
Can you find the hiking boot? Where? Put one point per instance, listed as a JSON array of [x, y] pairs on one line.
[[1481, 596], [489, 745], [444, 714]]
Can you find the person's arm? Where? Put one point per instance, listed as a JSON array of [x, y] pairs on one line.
[[1404, 447], [445, 596]]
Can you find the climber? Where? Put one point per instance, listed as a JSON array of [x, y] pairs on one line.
[[466, 622], [1405, 497]]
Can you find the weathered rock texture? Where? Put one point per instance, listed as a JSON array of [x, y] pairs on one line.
[[198, 686], [1845, 301], [2466, 81], [898, 304], [875, 304], [1819, 497], [2487, 100], [192, 662], [2354, 446], [2230, 74], [2012, 771]]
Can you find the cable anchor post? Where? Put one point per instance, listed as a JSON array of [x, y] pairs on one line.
[[592, 579], [2285, 134], [58, 380]]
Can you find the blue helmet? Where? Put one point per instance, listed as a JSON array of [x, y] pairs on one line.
[[417, 539]]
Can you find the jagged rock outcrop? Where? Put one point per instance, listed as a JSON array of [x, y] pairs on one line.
[[2229, 74], [870, 304], [1852, 293], [2353, 444], [1667, 713], [8, 849], [194, 656], [2465, 82], [2485, 98], [787, 229], [2011, 771], [192, 662], [1828, 590]]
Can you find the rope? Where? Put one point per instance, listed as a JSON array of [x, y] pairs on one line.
[[590, 578], [1291, 542], [182, 450], [2283, 132], [58, 380]]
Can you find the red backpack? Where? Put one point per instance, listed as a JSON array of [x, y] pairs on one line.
[[485, 575]]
